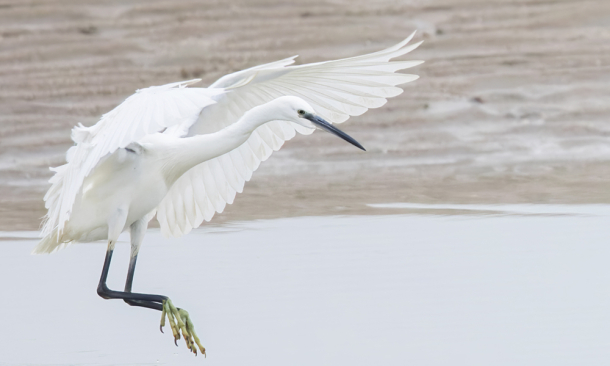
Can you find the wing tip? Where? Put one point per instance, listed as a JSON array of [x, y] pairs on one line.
[[80, 133], [418, 44], [184, 84], [402, 43], [410, 37]]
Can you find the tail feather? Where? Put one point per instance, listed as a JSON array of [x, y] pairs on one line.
[[50, 243]]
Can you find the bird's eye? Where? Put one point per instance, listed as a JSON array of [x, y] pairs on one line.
[[301, 112]]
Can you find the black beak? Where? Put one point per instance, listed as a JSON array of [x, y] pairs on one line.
[[321, 123]]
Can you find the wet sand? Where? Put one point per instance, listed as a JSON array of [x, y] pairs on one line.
[[512, 104], [459, 285]]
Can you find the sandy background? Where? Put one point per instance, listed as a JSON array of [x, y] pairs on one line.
[[512, 104]]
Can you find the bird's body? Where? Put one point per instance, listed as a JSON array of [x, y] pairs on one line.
[[183, 153], [128, 184], [125, 179]]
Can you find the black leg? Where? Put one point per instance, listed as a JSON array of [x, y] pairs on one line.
[[179, 319], [130, 273], [135, 299], [145, 304]]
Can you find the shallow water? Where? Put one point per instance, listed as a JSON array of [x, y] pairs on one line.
[[424, 289]]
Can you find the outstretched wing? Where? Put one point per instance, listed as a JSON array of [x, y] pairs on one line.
[[336, 90], [149, 110]]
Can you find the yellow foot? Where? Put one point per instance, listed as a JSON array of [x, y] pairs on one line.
[[179, 320]]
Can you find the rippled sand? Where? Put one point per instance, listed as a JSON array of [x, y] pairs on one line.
[[512, 105]]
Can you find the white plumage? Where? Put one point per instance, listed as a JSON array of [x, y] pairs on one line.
[[148, 111], [166, 117]]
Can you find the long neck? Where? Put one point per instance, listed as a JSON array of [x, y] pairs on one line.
[[191, 151]]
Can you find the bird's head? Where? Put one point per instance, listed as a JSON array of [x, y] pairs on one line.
[[297, 110]]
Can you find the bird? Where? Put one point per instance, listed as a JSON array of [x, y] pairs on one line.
[[182, 153]]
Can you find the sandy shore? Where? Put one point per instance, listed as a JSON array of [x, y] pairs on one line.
[[512, 104]]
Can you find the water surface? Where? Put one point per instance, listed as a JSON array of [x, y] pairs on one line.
[[424, 289]]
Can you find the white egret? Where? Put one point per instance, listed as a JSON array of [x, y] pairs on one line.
[[183, 153]]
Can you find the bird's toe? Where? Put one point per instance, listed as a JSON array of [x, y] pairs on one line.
[[180, 321]]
